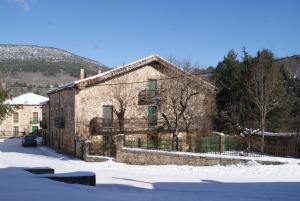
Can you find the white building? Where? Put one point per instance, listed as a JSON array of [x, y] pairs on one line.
[[26, 118]]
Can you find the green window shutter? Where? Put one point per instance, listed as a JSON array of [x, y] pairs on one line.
[[152, 88], [15, 130], [35, 128], [107, 115], [152, 116], [35, 117]]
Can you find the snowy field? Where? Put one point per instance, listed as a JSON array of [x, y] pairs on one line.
[[123, 182]]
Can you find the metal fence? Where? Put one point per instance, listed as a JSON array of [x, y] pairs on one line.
[[221, 145]]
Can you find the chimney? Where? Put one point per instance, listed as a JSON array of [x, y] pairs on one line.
[[99, 71], [81, 77]]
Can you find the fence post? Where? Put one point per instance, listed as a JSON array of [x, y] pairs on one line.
[[177, 143], [222, 143], [120, 139], [85, 149]]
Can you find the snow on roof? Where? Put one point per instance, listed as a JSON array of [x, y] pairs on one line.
[[136, 64], [71, 84], [27, 99]]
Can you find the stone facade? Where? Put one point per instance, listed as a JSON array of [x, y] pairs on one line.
[[79, 104], [136, 156], [61, 123], [21, 120], [154, 157]]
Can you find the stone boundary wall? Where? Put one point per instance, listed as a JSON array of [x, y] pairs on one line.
[[153, 157], [137, 156], [91, 158]]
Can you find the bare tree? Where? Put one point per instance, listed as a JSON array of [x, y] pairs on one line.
[[121, 96], [264, 87], [180, 104]]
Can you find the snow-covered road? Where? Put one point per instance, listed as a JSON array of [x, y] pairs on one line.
[[117, 181]]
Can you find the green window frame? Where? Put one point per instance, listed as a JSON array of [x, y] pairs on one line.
[[107, 115], [34, 128], [152, 115], [35, 117], [152, 87], [15, 130]]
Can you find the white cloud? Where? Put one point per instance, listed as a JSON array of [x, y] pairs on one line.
[[22, 4]]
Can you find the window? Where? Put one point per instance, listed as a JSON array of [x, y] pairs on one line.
[[152, 88], [44, 117], [35, 117], [34, 128], [152, 115], [15, 130], [16, 117], [107, 115]]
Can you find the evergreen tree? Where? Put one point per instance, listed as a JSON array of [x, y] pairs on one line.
[[229, 76], [5, 109]]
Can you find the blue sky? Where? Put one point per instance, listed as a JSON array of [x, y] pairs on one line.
[[117, 32]]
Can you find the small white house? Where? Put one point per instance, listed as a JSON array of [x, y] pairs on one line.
[[26, 118]]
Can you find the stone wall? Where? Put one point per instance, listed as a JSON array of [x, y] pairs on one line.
[[154, 157], [61, 104], [136, 156], [89, 101], [80, 106]]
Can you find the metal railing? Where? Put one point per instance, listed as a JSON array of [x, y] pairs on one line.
[[34, 120], [229, 145], [43, 124], [147, 97], [98, 126]]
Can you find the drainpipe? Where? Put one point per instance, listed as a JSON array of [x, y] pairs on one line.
[[75, 124]]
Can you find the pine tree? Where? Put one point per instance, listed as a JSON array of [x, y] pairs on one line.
[[229, 76]]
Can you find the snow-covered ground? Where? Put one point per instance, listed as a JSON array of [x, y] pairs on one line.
[[123, 182]]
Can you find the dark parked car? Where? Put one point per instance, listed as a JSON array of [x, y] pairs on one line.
[[29, 141]]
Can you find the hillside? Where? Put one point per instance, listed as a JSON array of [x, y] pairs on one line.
[[293, 64], [29, 68]]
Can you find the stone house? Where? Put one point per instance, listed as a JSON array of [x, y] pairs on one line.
[[91, 108], [26, 118]]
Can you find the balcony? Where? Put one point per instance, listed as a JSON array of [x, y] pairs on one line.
[[148, 97], [43, 124], [99, 126], [59, 122], [34, 120]]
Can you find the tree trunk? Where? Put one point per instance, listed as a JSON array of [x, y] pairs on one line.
[[175, 140], [121, 122], [262, 134]]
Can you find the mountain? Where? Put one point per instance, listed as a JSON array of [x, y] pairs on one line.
[[31, 68], [293, 65]]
